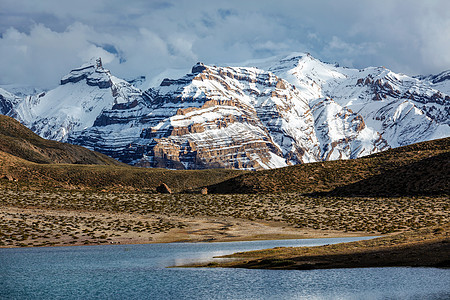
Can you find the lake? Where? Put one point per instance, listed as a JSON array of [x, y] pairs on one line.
[[140, 272]]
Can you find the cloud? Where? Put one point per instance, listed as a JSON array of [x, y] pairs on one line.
[[409, 36], [351, 54], [40, 41], [41, 57]]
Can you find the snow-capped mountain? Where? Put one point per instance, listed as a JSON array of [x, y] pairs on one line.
[[7, 101], [212, 117], [74, 105], [404, 110], [440, 81], [265, 114]]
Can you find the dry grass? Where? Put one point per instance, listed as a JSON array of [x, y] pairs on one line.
[[105, 177], [426, 247], [364, 215], [36, 227], [410, 170]]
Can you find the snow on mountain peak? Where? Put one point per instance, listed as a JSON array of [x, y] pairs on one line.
[[262, 114], [93, 72], [76, 103]]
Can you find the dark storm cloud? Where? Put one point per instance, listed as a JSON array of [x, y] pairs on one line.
[[42, 40]]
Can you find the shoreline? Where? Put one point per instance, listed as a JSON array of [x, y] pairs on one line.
[[192, 241], [100, 228], [429, 247]]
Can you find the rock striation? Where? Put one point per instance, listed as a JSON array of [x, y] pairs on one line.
[[7, 101], [266, 114]]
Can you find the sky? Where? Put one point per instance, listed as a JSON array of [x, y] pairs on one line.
[[41, 41]]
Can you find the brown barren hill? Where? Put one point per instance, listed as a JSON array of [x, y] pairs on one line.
[[33, 161], [410, 169], [428, 176], [21, 142]]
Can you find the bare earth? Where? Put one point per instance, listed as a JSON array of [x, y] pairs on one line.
[[65, 227], [30, 218]]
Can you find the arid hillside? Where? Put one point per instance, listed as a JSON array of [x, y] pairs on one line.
[[416, 169], [32, 161], [21, 142]]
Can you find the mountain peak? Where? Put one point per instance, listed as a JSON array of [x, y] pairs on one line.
[[198, 68], [441, 77], [92, 71], [267, 113], [98, 63]]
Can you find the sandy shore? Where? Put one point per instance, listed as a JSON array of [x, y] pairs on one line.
[[42, 227]]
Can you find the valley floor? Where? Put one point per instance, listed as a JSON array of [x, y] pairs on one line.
[[65, 227], [67, 217]]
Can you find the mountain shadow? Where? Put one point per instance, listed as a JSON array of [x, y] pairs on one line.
[[420, 168], [429, 176]]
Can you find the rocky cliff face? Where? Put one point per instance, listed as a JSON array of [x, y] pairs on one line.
[[219, 117], [268, 114], [7, 101], [75, 104]]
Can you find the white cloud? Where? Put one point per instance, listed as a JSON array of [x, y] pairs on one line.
[[40, 41], [42, 56]]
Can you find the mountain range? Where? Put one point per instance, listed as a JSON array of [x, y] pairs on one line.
[[258, 115], [29, 161]]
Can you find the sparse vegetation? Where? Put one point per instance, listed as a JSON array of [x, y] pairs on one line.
[[428, 247], [419, 169], [365, 215], [48, 227], [50, 203]]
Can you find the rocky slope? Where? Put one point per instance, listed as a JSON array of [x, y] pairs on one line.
[[267, 114], [21, 142], [417, 169], [7, 101]]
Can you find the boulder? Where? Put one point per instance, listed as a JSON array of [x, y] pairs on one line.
[[163, 189]]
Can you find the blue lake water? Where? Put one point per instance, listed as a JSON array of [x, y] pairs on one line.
[[140, 272]]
